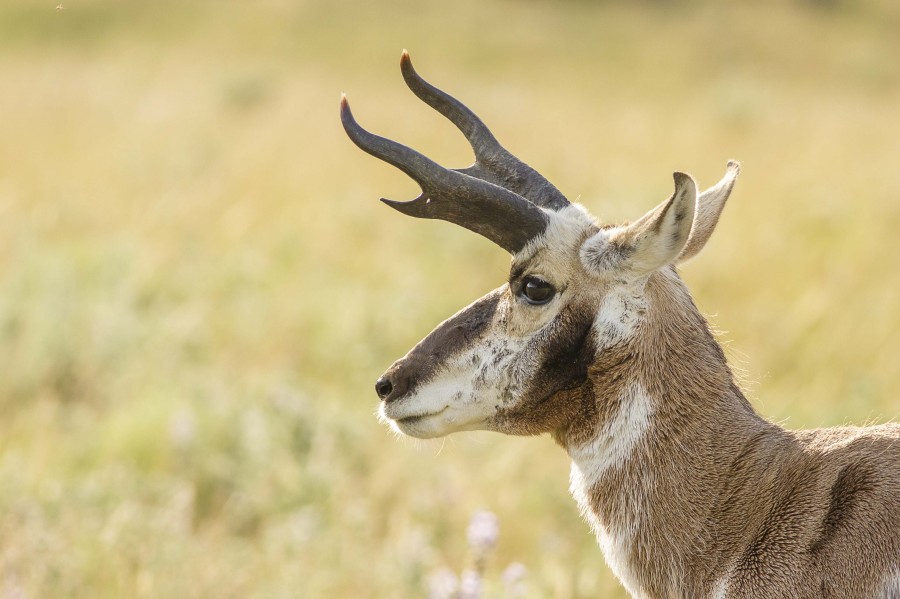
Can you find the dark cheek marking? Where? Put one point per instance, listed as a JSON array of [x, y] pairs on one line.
[[566, 350], [554, 395]]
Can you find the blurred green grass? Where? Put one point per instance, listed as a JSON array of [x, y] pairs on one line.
[[199, 288]]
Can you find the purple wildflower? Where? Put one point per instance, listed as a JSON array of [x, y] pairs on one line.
[[514, 580], [443, 584], [470, 585], [483, 532]]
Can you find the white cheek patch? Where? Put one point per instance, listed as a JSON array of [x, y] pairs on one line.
[[621, 310], [623, 304], [466, 391]]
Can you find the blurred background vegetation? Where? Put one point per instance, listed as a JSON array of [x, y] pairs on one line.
[[198, 286]]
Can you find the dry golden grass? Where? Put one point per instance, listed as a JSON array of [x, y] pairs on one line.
[[199, 288]]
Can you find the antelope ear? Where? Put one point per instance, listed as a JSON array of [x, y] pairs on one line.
[[709, 207], [651, 242]]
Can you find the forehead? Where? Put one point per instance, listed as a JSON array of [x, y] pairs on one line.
[[556, 251]]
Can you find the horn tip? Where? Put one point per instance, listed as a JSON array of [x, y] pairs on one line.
[[406, 63], [411, 208], [346, 116], [395, 204]]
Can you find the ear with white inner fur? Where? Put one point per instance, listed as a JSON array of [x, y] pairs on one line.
[[709, 207], [650, 242]]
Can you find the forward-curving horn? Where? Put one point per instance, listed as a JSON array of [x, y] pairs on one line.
[[501, 215], [493, 162]]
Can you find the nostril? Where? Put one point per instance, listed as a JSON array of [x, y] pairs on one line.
[[383, 387]]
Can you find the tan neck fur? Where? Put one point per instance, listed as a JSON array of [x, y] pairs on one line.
[[692, 494], [651, 505]]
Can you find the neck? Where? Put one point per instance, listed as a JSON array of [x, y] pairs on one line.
[[651, 459]]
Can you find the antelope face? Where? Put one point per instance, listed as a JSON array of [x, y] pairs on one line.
[[504, 362], [496, 364]]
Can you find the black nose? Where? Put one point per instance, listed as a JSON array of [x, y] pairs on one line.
[[392, 385], [383, 387]]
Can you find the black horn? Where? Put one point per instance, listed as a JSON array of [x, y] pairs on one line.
[[493, 162], [501, 215]]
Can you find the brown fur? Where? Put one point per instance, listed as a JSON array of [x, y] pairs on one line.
[[789, 514]]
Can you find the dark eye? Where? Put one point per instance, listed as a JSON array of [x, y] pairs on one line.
[[537, 291]]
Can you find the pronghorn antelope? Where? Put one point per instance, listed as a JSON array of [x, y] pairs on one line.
[[595, 339]]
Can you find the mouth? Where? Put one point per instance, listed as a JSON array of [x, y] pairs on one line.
[[411, 420]]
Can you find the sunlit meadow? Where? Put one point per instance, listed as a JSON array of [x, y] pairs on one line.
[[198, 286]]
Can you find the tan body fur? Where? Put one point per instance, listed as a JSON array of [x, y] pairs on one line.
[[718, 501]]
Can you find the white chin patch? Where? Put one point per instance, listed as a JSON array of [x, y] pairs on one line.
[[463, 395], [438, 408], [428, 425], [422, 427]]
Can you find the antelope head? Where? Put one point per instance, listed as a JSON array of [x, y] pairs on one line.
[[511, 361]]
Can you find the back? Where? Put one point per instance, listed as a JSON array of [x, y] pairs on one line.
[[834, 529]]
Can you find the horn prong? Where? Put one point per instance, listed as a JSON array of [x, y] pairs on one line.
[[497, 213], [494, 162]]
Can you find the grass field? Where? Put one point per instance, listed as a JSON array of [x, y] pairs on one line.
[[198, 287]]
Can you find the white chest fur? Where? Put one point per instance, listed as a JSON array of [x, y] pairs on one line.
[[591, 461]]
